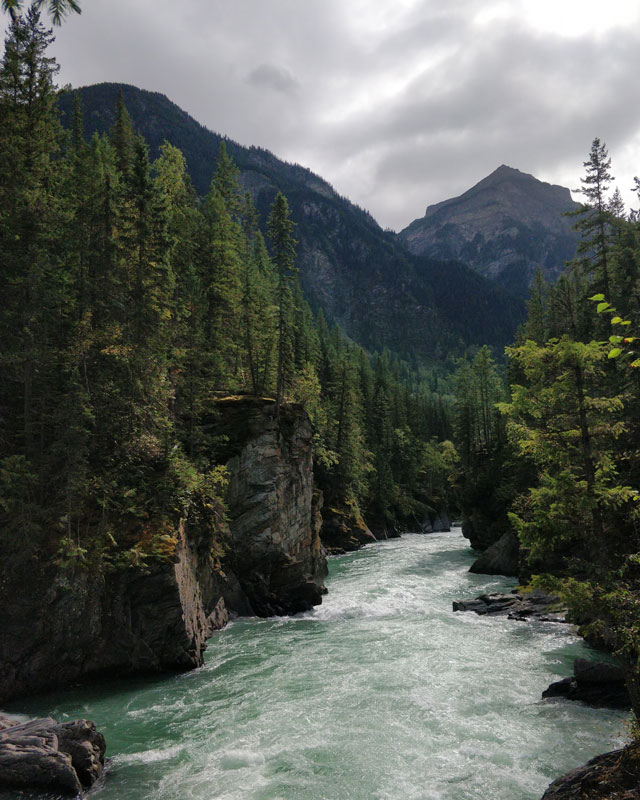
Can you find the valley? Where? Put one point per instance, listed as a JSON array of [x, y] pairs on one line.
[[220, 380]]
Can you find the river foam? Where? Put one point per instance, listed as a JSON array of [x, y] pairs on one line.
[[381, 693]]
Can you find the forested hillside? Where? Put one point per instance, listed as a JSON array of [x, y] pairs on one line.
[[361, 276], [130, 306]]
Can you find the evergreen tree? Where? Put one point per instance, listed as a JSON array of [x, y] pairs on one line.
[[122, 138], [280, 228], [30, 217], [594, 217], [225, 180]]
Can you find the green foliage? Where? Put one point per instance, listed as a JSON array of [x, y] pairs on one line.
[[57, 9], [129, 306], [572, 416], [562, 421], [367, 283], [615, 352], [280, 231]]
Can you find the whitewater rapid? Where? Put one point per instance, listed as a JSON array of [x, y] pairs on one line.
[[380, 693]]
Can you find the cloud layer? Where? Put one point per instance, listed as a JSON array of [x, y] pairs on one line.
[[398, 105]]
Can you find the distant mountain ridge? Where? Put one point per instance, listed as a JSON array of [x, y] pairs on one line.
[[362, 277], [504, 227]]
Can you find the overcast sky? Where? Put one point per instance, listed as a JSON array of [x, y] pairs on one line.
[[397, 103]]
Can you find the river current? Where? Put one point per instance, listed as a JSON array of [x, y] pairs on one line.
[[380, 693]]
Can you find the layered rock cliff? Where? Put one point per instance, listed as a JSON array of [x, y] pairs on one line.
[[274, 514], [57, 625]]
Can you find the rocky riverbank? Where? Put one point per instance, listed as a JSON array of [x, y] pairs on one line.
[[611, 776], [47, 756], [516, 605]]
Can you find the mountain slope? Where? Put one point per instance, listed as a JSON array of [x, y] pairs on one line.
[[361, 276], [504, 227]]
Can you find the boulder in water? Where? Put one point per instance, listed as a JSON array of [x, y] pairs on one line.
[[44, 755], [534, 605], [593, 682]]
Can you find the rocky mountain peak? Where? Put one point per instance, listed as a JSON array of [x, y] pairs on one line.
[[504, 227]]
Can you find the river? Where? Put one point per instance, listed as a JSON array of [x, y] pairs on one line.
[[381, 693]]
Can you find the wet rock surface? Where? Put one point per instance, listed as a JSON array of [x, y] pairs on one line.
[[502, 558], [593, 682], [44, 755], [437, 522], [534, 605], [611, 776]]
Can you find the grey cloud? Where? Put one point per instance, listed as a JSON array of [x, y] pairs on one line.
[[396, 115], [272, 77], [529, 100]]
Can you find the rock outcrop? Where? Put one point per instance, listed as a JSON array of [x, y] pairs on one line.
[[484, 529], [534, 605], [276, 551], [502, 558], [593, 682], [58, 626], [46, 756], [436, 522], [383, 529], [344, 531], [611, 776]]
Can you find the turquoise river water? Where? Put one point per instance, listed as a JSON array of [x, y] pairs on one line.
[[381, 693]]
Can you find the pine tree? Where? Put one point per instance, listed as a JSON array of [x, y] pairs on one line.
[[537, 323], [594, 216], [225, 180], [29, 220], [562, 417], [280, 228], [220, 264], [259, 315], [122, 138]]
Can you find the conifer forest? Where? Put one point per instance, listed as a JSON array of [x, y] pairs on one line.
[[136, 311]]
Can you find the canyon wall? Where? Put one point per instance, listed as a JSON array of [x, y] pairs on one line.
[[59, 625]]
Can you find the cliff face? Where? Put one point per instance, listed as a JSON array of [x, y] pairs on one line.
[[57, 626], [273, 511], [505, 227]]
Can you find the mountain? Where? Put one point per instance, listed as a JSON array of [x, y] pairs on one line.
[[362, 277], [504, 227]]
